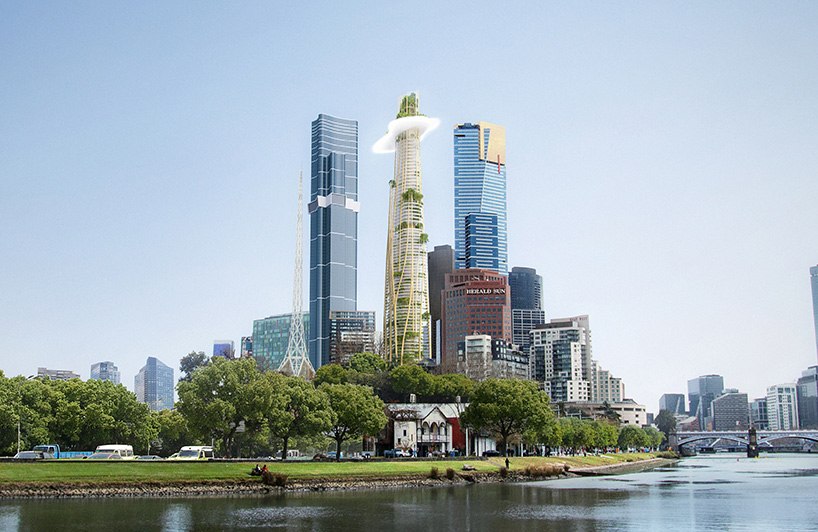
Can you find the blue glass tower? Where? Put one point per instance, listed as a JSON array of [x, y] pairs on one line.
[[333, 212], [480, 188]]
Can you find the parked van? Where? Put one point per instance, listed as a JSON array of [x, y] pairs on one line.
[[125, 451], [194, 452]]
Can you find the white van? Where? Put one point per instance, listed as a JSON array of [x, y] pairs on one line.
[[195, 452], [125, 451]]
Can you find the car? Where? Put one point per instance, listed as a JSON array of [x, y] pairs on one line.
[[33, 455], [194, 452], [491, 452], [395, 453], [105, 456], [149, 457]]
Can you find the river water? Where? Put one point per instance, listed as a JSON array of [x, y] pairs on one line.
[[725, 492]]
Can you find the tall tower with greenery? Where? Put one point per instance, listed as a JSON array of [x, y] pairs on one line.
[[406, 330]]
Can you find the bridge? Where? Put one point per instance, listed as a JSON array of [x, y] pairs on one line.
[[679, 439]]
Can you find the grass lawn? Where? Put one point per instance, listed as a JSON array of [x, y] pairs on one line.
[[82, 471]]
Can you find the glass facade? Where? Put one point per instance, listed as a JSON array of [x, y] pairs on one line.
[[813, 273], [352, 331], [480, 188], [270, 339], [154, 385], [526, 288], [333, 212], [105, 371]]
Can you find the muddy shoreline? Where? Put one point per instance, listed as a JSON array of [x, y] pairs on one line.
[[254, 486]]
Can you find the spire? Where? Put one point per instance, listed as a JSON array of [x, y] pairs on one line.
[[297, 362]]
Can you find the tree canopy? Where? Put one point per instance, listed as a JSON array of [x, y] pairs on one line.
[[507, 407], [297, 410], [357, 412]]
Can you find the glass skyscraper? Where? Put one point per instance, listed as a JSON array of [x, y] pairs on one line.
[[480, 188], [154, 385], [813, 273], [333, 212], [271, 336], [105, 371]]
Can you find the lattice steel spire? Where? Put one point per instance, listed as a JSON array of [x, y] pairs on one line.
[[297, 361]]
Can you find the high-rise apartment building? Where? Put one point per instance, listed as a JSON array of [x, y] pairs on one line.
[[731, 411], [480, 188], [271, 336], [480, 357], [441, 263], [153, 385], [105, 371], [526, 303], [559, 354], [474, 302], [351, 332], [605, 388], [813, 274], [782, 407], [406, 317], [333, 210]]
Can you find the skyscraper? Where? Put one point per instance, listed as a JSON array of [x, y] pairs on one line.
[[105, 371], [333, 212], [441, 262], [406, 333], [480, 188], [153, 385], [271, 336], [700, 393], [813, 273], [526, 303]]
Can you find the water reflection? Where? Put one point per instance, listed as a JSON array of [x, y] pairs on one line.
[[701, 494]]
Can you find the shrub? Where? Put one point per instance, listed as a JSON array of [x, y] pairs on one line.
[[503, 472], [450, 473], [434, 473], [274, 479]]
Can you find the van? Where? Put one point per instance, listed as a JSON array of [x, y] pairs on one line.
[[194, 452], [125, 451]]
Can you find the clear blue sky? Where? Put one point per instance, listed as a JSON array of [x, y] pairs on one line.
[[661, 169]]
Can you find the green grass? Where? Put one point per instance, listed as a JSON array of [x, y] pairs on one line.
[[85, 472]]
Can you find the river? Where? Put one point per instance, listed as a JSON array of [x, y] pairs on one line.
[[724, 492]]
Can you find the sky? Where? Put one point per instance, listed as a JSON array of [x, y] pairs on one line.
[[661, 162]]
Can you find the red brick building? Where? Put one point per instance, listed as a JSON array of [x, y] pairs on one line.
[[474, 301]]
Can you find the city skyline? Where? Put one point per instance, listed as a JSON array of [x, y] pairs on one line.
[[661, 172]]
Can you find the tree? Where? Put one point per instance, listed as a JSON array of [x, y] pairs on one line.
[[610, 414], [632, 437], [653, 436], [297, 410], [411, 378], [331, 374], [222, 396], [506, 408], [190, 362], [666, 422], [172, 432], [453, 385], [367, 363], [356, 413]]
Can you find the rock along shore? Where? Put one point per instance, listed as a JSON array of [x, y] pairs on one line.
[[254, 486]]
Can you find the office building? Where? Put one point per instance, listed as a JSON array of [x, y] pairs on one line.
[[105, 371], [782, 407], [558, 353], [246, 346], [673, 403], [474, 302], [57, 374], [700, 394], [406, 317], [522, 321], [351, 332], [333, 210], [441, 263], [480, 189], [731, 411], [271, 336], [807, 392], [758, 413], [224, 349], [813, 274], [480, 357], [526, 288], [153, 385]]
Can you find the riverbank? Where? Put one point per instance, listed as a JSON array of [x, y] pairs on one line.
[[302, 477]]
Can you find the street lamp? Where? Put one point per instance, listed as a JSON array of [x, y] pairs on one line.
[[19, 405]]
